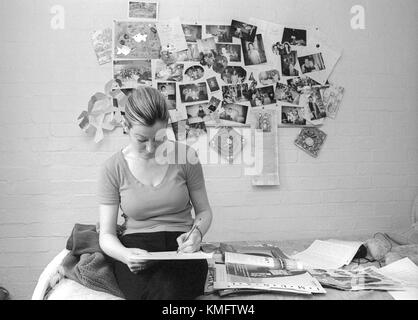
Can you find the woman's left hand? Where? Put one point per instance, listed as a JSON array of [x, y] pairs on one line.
[[192, 244]]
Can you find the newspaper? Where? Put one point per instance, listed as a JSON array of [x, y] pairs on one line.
[[355, 280], [250, 272]]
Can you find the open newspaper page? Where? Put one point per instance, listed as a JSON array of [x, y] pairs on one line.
[[242, 271]]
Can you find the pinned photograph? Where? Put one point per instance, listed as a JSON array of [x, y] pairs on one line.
[[193, 53], [332, 96], [269, 77], [302, 83], [262, 96], [281, 49], [222, 33], [168, 90], [132, 73], [164, 72], [102, 45], [206, 45], [311, 140], [198, 113], [213, 84], [234, 75], [289, 64], [194, 131], [192, 32], [143, 10], [254, 53], [232, 52], [171, 36], [214, 104], [234, 112], [235, 93], [193, 73], [311, 63], [286, 93], [194, 92], [243, 30], [312, 100], [296, 37], [136, 40], [293, 116]]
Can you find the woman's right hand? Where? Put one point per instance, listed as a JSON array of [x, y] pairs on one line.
[[134, 262]]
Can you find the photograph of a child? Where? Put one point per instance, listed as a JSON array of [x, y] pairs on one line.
[[198, 113], [234, 75], [168, 90], [164, 72], [262, 96], [132, 73], [143, 10], [289, 64], [311, 63], [293, 116], [193, 92], [269, 77], [213, 104], [193, 73], [243, 30], [213, 84], [312, 100], [192, 32], [296, 37], [234, 112], [235, 93], [286, 93], [253, 51], [222, 33], [232, 52]]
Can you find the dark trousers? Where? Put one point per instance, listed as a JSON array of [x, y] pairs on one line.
[[163, 280]]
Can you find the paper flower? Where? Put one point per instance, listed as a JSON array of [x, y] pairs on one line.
[[104, 110]]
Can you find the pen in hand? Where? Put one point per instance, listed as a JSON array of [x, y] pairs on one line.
[[190, 232]]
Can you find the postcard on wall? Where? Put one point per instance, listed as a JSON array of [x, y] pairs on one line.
[[332, 96], [243, 30], [164, 72], [311, 140], [144, 10], [171, 35], [132, 73], [266, 150], [136, 40], [102, 45], [222, 33]]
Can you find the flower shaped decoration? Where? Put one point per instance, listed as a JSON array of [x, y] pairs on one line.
[[104, 110]]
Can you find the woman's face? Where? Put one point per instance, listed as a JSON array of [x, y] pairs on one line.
[[145, 140]]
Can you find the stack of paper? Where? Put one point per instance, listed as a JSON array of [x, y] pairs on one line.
[[406, 272], [331, 254]]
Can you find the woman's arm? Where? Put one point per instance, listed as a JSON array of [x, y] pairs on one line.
[[110, 243], [203, 219]]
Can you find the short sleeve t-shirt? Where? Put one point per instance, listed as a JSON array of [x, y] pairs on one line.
[[165, 207]]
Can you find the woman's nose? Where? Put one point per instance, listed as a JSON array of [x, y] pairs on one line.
[[150, 146]]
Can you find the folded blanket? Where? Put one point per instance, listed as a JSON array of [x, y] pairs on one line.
[[87, 264]]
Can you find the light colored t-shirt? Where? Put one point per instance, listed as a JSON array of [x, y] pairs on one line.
[[165, 207]]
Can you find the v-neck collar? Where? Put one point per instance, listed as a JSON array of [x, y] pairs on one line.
[[126, 165]]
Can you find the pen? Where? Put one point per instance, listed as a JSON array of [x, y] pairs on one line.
[[190, 232]]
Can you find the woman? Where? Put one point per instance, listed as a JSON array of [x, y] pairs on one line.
[[253, 54], [156, 197]]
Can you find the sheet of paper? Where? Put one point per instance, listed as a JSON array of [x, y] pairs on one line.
[[171, 35], [406, 272], [327, 255], [173, 255], [239, 258]]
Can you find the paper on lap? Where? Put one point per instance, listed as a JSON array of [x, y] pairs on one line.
[[173, 255]]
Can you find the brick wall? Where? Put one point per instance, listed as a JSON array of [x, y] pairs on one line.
[[364, 180]]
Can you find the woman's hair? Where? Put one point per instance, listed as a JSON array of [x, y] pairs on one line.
[[146, 106]]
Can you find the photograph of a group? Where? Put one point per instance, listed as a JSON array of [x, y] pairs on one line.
[[194, 92]]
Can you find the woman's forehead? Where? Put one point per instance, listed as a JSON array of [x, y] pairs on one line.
[[148, 131]]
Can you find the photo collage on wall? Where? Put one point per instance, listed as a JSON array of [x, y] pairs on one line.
[[216, 74]]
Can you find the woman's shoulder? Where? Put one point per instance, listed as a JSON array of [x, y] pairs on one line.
[[113, 162]]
